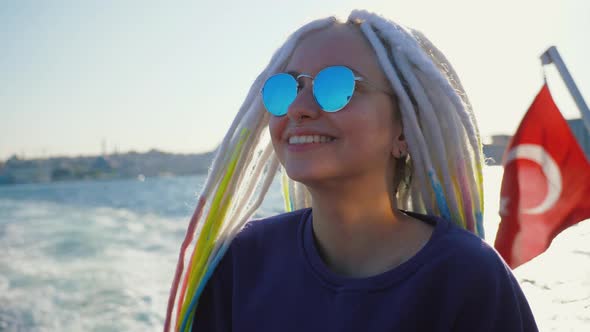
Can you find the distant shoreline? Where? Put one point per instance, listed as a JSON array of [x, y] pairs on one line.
[[114, 166]]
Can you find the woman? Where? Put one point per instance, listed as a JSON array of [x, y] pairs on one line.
[[375, 134]]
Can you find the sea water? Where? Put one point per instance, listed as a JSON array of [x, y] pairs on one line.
[[100, 255]]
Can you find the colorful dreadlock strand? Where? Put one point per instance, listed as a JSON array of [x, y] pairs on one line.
[[180, 265], [209, 232], [285, 188]]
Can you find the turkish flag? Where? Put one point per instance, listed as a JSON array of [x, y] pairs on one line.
[[546, 183]]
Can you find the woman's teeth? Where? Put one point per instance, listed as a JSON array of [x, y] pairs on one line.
[[309, 139]]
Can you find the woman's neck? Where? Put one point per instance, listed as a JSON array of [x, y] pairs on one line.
[[359, 230]]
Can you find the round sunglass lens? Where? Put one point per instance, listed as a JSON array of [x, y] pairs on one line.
[[278, 93], [333, 88]]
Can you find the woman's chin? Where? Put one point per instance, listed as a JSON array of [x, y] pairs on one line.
[[311, 178], [305, 177]]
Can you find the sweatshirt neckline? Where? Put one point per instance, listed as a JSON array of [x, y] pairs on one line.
[[339, 282]]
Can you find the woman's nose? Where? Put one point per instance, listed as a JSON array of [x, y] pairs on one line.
[[304, 106]]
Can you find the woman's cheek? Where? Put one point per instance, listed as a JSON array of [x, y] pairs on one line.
[[276, 126], [272, 127]]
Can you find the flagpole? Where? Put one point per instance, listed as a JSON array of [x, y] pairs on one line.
[[552, 56]]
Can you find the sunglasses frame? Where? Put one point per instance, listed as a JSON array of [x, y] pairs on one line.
[[303, 75]]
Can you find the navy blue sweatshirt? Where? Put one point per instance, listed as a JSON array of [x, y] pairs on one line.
[[273, 279]]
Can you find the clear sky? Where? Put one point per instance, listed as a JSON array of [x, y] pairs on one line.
[[171, 75]]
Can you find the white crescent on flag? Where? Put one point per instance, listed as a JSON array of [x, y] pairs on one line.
[[537, 154]]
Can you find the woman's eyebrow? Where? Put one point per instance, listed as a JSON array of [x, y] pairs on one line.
[[358, 73]]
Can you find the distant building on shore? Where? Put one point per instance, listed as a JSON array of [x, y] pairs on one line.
[[494, 151]]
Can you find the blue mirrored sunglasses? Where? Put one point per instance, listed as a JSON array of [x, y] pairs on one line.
[[332, 89]]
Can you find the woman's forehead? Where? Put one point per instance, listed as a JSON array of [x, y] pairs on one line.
[[339, 45]]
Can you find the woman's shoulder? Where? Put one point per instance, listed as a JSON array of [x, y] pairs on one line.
[[464, 250], [490, 290], [473, 248]]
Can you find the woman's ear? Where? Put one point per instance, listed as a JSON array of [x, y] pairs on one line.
[[400, 147]]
